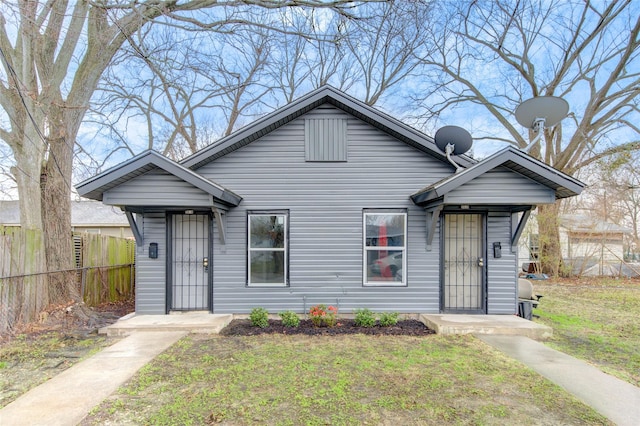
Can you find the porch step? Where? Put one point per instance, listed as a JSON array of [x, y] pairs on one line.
[[486, 324], [192, 322]]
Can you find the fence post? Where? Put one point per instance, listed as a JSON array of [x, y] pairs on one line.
[[83, 282]]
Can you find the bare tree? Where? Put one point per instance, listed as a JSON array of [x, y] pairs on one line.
[[174, 83], [53, 55], [614, 192], [492, 55], [313, 56], [232, 76], [160, 81], [327, 61], [242, 73], [7, 181], [383, 49], [288, 68]]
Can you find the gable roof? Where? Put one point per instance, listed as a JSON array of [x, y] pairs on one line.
[[513, 159], [589, 225], [83, 213], [325, 94], [95, 187]]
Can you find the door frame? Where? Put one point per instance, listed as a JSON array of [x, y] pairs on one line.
[[483, 275], [169, 259]]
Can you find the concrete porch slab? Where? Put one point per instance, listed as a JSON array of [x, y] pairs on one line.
[[191, 322], [486, 324], [205, 322]]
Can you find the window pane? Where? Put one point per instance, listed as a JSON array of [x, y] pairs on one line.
[[384, 265], [385, 230], [267, 231], [267, 267]]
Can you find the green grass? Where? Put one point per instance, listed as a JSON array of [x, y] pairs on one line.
[[346, 380], [596, 320], [27, 361]]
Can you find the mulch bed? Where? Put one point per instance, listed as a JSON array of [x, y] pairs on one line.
[[243, 327]]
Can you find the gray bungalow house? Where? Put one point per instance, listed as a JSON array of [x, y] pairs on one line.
[[328, 200]]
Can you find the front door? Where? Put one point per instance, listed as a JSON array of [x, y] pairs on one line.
[[190, 288], [463, 263]]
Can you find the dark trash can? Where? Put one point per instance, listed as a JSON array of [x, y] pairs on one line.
[[525, 309]]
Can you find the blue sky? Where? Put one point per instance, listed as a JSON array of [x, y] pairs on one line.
[[230, 50]]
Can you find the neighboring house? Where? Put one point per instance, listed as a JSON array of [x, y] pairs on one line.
[[86, 216], [589, 246], [328, 200]]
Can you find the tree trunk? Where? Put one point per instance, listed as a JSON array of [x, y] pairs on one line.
[[32, 295], [56, 218], [549, 239]]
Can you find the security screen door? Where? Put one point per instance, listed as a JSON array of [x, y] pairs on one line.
[[463, 254], [190, 264]]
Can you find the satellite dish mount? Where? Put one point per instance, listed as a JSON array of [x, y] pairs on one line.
[[540, 112], [453, 140]]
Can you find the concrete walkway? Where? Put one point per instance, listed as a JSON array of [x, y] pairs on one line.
[[616, 399], [68, 397]]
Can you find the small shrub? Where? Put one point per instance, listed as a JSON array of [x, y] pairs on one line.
[[365, 318], [332, 316], [289, 319], [388, 319], [259, 317], [323, 315], [316, 313]]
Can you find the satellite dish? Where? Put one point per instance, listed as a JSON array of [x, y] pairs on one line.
[[551, 109], [540, 112], [453, 140], [456, 136]]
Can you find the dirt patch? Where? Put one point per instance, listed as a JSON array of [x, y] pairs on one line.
[[37, 351], [72, 319], [243, 327]]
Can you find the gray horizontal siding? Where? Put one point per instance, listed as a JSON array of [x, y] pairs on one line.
[[501, 186], [502, 271], [157, 188], [151, 273], [325, 203]]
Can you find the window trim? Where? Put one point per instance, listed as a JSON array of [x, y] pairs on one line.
[[285, 249], [366, 249]]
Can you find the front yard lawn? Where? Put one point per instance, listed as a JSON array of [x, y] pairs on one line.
[[595, 320], [356, 379]]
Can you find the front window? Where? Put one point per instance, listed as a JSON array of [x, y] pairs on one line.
[[267, 249], [385, 248]]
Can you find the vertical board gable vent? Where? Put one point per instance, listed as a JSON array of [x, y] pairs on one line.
[[325, 139]]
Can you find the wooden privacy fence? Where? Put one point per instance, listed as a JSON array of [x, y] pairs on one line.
[[23, 291], [105, 272]]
